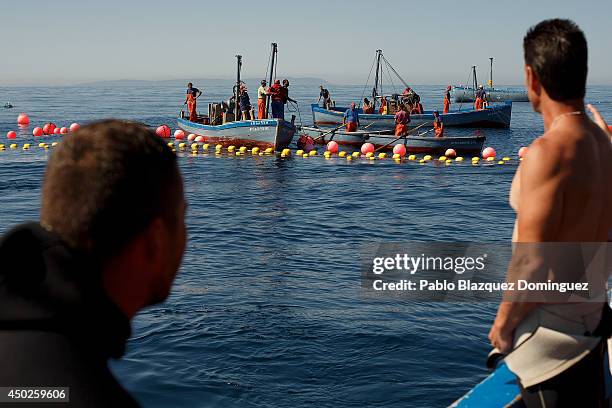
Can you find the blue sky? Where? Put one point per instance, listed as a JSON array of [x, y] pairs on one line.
[[65, 42]]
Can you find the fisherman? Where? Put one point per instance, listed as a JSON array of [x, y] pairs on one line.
[[278, 103], [262, 94], [368, 107], [481, 96], [447, 100], [351, 119], [560, 194], [384, 106], [70, 285], [402, 119], [285, 93], [191, 100], [245, 103], [324, 95], [438, 124]]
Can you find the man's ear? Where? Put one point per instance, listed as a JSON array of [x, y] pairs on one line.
[[155, 241], [532, 82]]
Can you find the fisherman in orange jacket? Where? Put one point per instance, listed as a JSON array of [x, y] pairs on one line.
[[438, 124], [481, 96], [402, 119], [192, 95], [447, 98]]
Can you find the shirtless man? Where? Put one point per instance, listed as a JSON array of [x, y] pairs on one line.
[[560, 194]]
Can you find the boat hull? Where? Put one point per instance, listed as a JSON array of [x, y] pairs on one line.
[[496, 116], [275, 133], [414, 144], [466, 94]]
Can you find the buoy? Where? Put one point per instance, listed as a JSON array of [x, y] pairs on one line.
[[488, 152], [427, 158], [305, 155], [312, 152], [57, 131], [522, 152], [382, 155], [412, 157], [450, 153], [372, 157], [269, 150], [442, 158], [299, 152], [170, 144], [205, 146], [231, 148], [327, 153], [37, 131], [448, 162], [63, 130], [422, 161], [286, 152], [48, 128], [501, 162], [342, 154], [332, 147], [26, 146], [506, 159], [163, 131], [191, 137], [367, 148], [42, 144], [490, 158], [349, 157], [356, 154], [11, 134], [397, 156], [475, 158], [179, 134], [74, 127], [399, 149], [194, 146], [369, 154], [459, 159], [182, 145], [255, 150], [244, 149], [13, 145], [23, 119], [199, 139]]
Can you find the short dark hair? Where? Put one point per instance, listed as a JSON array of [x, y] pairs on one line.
[[556, 50], [106, 182]]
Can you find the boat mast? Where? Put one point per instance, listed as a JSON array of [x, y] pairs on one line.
[[272, 71], [491, 77], [237, 90], [475, 80], [375, 90]]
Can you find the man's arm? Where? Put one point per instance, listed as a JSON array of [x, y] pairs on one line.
[[539, 215]]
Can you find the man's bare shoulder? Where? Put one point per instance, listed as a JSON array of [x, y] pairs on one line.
[[545, 154]]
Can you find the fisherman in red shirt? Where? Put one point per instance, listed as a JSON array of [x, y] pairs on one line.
[[276, 95], [402, 119]]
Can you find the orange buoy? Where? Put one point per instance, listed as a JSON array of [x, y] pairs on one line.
[[367, 148], [191, 137], [332, 147], [63, 130], [48, 128], [56, 131], [450, 153], [199, 139], [179, 134], [23, 119], [74, 127], [11, 134], [399, 149], [37, 131], [488, 152]]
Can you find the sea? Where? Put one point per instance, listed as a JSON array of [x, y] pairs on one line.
[[267, 309]]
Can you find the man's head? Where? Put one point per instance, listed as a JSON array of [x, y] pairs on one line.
[[277, 82], [190, 85], [113, 190], [321, 86], [285, 82], [263, 82], [352, 105], [555, 62]]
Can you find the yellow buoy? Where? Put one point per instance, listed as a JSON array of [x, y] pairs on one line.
[[442, 158], [448, 161], [382, 155], [299, 152], [194, 146], [205, 146], [490, 158], [13, 145], [231, 148], [501, 162], [54, 144], [26, 146], [218, 147], [312, 152], [283, 155], [412, 157], [459, 159], [42, 144], [372, 157], [327, 153], [369, 154], [422, 161], [349, 157], [243, 149], [342, 154], [397, 156], [427, 158], [261, 153], [356, 154], [269, 150], [182, 145], [170, 144], [255, 150], [506, 159], [475, 158], [305, 155]]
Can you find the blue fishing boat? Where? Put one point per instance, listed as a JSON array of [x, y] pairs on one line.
[[386, 140], [220, 126], [468, 93], [495, 116]]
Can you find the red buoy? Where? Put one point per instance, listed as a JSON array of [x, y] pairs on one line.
[[488, 152], [450, 153], [11, 134], [37, 131], [56, 131], [399, 149], [48, 128], [367, 148], [179, 134], [199, 139], [23, 119], [63, 130], [163, 131], [332, 147], [74, 127]]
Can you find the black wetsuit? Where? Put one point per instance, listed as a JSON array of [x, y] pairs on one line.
[[58, 328]]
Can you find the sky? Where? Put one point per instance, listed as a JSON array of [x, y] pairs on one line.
[[69, 42]]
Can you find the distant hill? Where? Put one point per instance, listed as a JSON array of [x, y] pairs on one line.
[[301, 81]]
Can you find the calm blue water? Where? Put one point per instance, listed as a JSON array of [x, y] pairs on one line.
[[267, 309]]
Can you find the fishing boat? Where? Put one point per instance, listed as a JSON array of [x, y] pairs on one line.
[[494, 116], [220, 127], [468, 93], [420, 143]]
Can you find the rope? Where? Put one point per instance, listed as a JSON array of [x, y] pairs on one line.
[[467, 81], [297, 108], [390, 78], [395, 72], [367, 82]]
